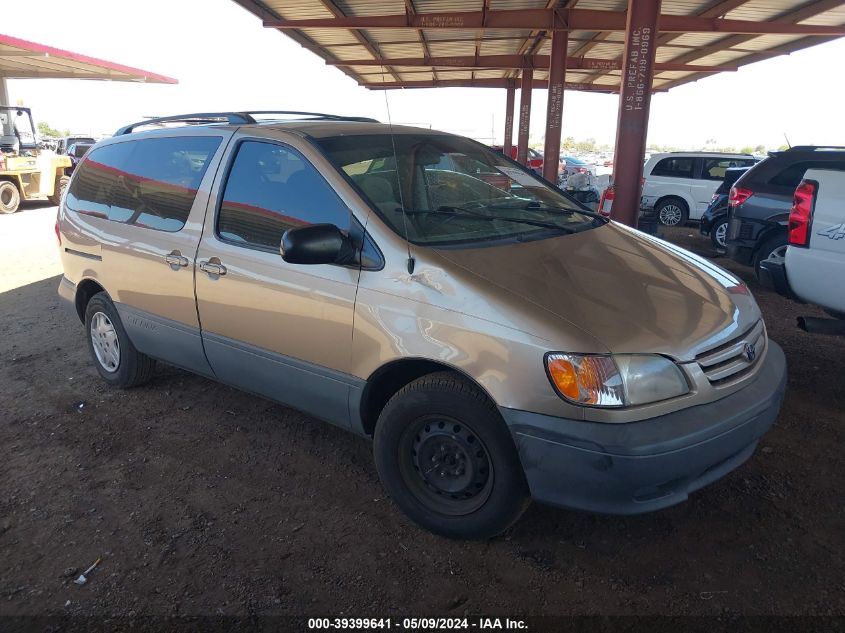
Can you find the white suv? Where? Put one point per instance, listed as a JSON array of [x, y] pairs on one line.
[[680, 185]]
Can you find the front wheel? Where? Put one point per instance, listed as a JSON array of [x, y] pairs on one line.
[[446, 458], [672, 212], [10, 197]]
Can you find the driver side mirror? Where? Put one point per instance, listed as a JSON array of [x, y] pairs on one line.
[[317, 244]]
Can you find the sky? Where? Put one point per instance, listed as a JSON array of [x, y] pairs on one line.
[[225, 60]]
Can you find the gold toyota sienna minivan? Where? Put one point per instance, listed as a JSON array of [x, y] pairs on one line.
[[497, 341]]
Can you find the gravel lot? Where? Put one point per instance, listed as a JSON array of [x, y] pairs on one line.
[[203, 500]]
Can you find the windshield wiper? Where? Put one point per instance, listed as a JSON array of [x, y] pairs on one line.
[[458, 212]]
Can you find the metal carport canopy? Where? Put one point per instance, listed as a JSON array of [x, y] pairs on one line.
[[21, 59], [385, 44]]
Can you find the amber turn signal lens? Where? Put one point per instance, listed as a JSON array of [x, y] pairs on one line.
[[592, 380], [564, 378]]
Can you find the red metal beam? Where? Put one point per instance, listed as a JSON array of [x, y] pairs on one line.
[[537, 62], [338, 14], [525, 88], [508, 141], [499, 82], [792, 16], [634, 103], [554, 107], [552, 20]]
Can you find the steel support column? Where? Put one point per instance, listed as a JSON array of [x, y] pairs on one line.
[[554, 109], [4, 91], [524, 115], [634, 102], [508, 142]]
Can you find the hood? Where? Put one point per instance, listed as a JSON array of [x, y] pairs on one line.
[[634, 293]]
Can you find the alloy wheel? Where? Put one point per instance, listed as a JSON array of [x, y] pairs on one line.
[[721, 234], [105, 343], [670, 214]]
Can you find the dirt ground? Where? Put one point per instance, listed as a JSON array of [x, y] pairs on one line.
[[204, 500]]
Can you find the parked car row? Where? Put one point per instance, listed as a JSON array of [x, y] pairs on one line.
[[761, 200], [812, 267]]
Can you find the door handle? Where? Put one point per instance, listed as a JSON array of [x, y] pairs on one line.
[[176, 260], [213, 267]]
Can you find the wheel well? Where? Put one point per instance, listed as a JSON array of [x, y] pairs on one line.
[[672, 197], [778, 230], [84, 291], [387, 380]]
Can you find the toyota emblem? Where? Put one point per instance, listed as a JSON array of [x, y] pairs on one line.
[[750, 352]]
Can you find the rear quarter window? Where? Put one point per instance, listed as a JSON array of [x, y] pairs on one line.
[[149, 182], [675, 167]]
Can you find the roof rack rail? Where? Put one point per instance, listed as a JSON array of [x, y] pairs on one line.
[[313, 115], [198, 118], [705, 151], [815, 148], [233, 118]]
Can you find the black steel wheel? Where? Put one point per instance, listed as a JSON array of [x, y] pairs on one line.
[[446, 463], [447, 459]]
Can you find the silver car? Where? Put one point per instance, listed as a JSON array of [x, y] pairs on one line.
[[496, 340]]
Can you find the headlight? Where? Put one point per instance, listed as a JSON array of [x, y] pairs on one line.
[[615, 381]]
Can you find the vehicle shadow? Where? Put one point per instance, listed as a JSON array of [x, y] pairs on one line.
[[218, 489]]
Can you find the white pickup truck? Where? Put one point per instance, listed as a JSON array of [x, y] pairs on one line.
[[813, 269]]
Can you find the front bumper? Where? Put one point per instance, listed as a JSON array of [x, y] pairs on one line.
[[648, 202], [644, 466]]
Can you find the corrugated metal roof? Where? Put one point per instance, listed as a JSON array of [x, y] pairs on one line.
[[719, 48], [21, 59]]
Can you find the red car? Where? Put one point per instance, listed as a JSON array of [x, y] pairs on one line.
[[535, 158]]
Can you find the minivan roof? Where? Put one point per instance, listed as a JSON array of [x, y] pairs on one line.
[[313, 124]]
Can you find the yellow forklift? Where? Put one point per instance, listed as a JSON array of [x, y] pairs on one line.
[[27, 172]]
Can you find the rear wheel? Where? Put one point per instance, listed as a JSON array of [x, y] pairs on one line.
[[774, 246], [59, 189], [672, 212], [10, 197], [447, 459], [116, 359]]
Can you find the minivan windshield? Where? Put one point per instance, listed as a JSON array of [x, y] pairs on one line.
[[451, 191]]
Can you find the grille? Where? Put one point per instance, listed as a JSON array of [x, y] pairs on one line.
[[729, 361]]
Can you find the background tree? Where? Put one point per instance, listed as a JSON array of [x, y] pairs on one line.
[[44, 129]]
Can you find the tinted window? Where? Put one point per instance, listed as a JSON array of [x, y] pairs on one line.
[[674, 167], [148, 182], [271, 189], [792, 175], [715, 168]]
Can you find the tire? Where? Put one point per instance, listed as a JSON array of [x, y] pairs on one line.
[[718, 235], [116, 359], [59, 189], [672, 212], [770, 246], [10, 197], [444, 420]]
